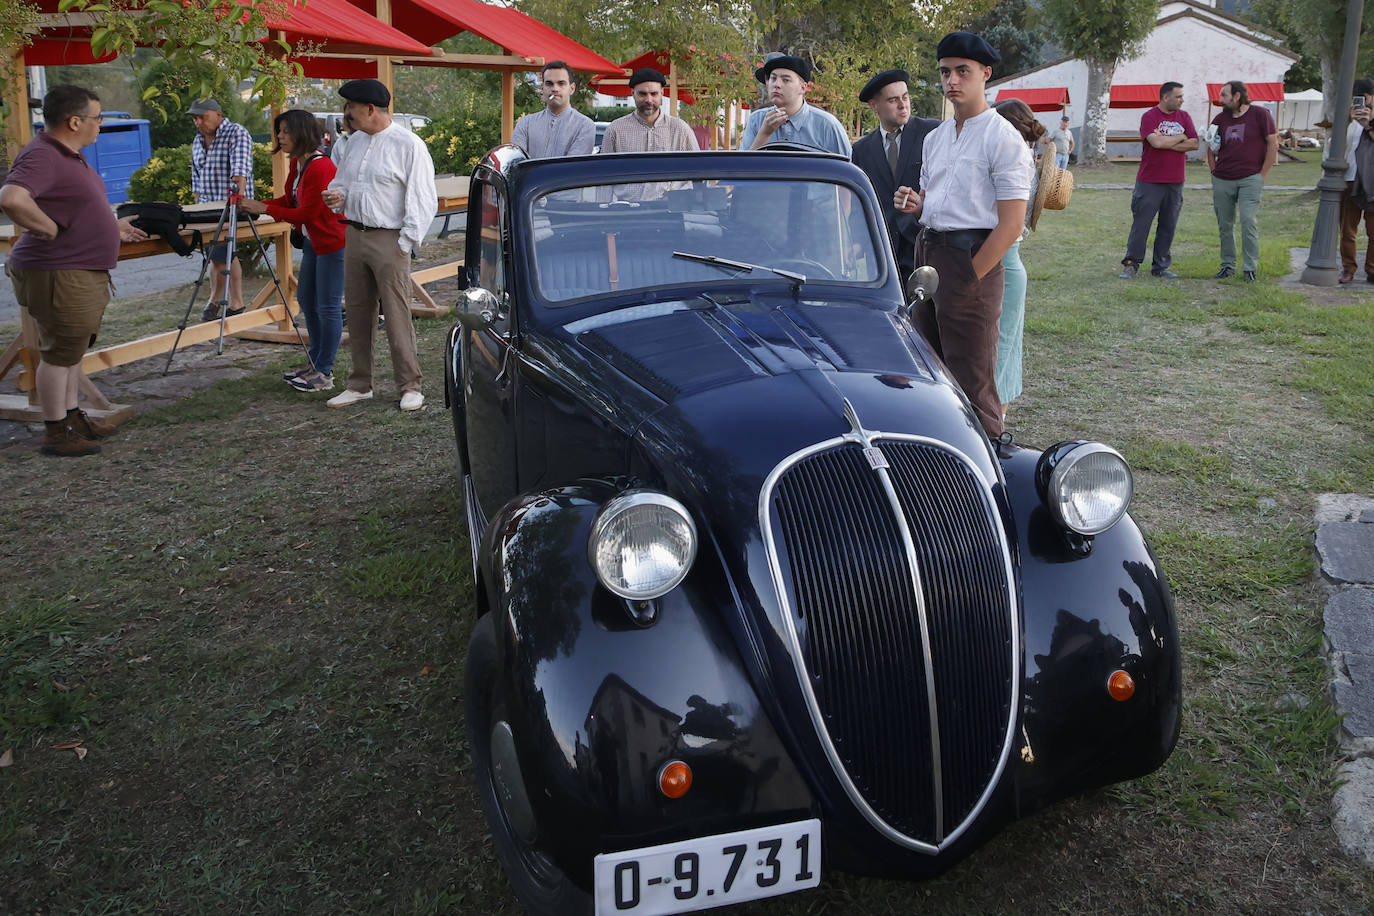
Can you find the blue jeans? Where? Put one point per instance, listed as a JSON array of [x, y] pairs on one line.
[[320, 293], [1061, 160], [1149, 200]]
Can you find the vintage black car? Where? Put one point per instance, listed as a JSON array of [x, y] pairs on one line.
[[756, 594]]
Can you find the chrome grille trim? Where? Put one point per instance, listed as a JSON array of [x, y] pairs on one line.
[[867, 439]]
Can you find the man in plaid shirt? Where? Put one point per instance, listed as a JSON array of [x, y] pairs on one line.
[[221, 154]]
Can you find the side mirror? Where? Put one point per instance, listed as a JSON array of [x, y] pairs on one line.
[[477, 308], [922, 284]]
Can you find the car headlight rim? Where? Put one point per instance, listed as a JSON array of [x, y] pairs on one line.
[[1087, 486], [642, 544]]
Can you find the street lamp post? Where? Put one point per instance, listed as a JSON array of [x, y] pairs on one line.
[[1323, 262]]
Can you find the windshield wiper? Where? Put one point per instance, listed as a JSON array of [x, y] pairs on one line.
[[742, 266]]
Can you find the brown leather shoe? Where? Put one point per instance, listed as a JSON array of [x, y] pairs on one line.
[[62, 439], [1347, 276], [89, 426]]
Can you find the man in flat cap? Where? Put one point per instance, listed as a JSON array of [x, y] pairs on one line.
[[221, 157], [648, 129], [560, 129], [891, 156], [975, 181], [385, 191], [790, 118]]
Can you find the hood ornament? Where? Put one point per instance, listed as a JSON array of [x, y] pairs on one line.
[[876, 460]]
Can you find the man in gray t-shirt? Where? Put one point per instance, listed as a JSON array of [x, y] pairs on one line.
[[1063, 143]]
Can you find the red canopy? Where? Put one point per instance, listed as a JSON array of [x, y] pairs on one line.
[[336, 26], [339, 27], [656, 59], [1138, 95], [432, 21], [1259, 92], [1052, 99]]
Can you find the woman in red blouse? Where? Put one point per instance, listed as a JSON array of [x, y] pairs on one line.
[[320, 289]]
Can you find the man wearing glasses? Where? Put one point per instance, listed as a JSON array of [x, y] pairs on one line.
[[221, 155], [60, 266]]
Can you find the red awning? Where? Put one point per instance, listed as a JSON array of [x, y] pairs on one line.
[[1259, 92], [618, 85], [335, 26], [339, 27], [1052, 99], [433, 21], [1139, 95], [46, 52]]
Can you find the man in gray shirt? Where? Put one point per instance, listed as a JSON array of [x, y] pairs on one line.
[[558, 130]]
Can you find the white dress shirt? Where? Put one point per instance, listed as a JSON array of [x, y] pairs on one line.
[[388, 182], [1352, 140], [964, 176]]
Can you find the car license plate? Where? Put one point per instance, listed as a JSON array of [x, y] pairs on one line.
[[710, 871]]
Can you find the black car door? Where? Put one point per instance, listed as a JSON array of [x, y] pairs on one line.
[[489, 356]]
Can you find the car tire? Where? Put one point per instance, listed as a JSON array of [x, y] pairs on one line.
[[541, 886]]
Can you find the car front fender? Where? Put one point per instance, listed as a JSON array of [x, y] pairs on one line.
[[599, 702], [1090, 608]]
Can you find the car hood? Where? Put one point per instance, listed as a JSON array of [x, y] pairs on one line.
[[735, 385]]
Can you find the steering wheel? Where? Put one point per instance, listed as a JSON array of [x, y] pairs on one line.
[[812, 269]]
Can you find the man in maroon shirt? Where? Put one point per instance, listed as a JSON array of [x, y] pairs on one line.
[[60, 266], [1242, 147], [1166, 136]]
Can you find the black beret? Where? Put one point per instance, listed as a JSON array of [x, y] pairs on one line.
[[797, 65], [969, 46], [647, 75], [369, 92], [887, 77]]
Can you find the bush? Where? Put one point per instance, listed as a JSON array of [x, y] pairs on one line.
[[167, 175], [457, 141]]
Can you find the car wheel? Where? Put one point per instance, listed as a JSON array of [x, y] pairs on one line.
[[541, 885]]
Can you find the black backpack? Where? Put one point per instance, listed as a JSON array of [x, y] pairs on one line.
[[161, 219]]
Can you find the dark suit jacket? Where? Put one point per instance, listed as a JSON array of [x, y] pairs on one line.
[[870, 156]]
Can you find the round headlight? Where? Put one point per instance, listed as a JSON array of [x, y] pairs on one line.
[[1087, 485], [642, 544]]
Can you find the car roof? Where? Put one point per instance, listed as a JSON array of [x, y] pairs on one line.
[[533, 177]]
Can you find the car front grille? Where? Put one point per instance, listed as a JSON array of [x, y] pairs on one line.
[[874, 634]]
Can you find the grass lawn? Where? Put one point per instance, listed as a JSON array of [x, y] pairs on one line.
[[253, 612]]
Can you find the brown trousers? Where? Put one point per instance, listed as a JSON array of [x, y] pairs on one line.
[[961, 324], [376, 268], [1351, 217]]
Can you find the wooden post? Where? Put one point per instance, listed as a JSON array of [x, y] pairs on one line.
[[17, 129], [672, 90], [279, 166], [384, 63], [507, 105]]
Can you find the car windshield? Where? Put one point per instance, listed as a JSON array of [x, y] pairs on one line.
[[613, 238]]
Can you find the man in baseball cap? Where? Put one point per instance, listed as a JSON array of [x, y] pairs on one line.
[[790, 118], [221, 159]]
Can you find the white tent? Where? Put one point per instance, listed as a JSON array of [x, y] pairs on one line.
[[1300, 110]]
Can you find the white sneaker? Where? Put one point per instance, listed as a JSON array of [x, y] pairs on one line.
[[412, 400], [348, 397]]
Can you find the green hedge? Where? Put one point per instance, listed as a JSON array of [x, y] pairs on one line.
[[167, 175], [457, 141]]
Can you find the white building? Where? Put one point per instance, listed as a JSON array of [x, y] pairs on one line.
[[1193, 43]]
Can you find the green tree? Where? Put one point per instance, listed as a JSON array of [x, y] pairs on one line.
[[161, 81], [1010, 28], [1100, 32], [1316, 30]]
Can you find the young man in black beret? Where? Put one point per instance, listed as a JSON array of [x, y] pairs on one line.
[[791, 118], [972, 217], [891, 156]]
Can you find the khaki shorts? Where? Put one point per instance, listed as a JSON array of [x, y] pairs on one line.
[[67, 306]]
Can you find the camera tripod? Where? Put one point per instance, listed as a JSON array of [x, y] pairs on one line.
[[228, 217]]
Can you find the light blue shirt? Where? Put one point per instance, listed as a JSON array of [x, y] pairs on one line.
[[809, 125]]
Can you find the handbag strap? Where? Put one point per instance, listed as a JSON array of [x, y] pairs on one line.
[[300, 176]]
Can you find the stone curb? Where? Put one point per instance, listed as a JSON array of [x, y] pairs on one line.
[[1345, 548]]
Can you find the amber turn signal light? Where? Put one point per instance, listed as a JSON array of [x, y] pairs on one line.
[[1121, 686], [675, 779]]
